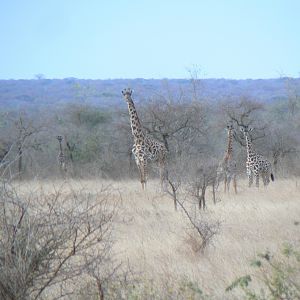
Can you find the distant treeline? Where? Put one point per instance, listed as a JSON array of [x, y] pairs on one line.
[[41, 92]]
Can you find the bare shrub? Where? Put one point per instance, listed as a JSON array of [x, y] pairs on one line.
[[205, 176], [107, 273], [201, 229], [49, 240], [172, 189]]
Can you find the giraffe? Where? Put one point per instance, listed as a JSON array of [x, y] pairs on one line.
[[256, 164], [227, 166], [61, 157], [144, 148]]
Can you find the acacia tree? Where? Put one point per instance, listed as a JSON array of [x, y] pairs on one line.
[[172, 122], [23, 132], [39, 76], [282, 142], [195, 81], [245, 112]]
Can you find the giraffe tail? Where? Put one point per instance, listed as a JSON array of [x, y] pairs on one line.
[[272, 177]]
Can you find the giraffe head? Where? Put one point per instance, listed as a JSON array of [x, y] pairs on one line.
[[230, 126], [127, 93], [230, 129], [245, 129], [60, 138]]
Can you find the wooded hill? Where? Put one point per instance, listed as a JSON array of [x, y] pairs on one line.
[[37, 93]]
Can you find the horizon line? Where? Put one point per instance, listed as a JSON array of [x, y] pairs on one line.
[[142, 78]]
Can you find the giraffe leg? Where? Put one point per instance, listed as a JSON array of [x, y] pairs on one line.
[[225, 183], [145, 177], [250, 177], [217, 181], [143, 172], [257, 180], [250, 180], [139, 160], [265, 177], [141, 177], [234, 184], [141, 169]]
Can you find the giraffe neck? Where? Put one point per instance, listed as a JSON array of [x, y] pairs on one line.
[[136, 126], [228, 153], [250, 150], [60, 147]]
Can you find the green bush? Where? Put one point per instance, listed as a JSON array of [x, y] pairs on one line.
[[89, 116], [280, 279], [144, 289]]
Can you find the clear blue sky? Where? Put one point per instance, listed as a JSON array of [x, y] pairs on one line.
[[150, 39]]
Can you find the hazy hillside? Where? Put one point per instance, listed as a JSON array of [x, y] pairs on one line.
[[35, 93]]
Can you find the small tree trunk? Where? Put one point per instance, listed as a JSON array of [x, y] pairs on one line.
[[71, 149], [20, 161], [175, 202], [100, 289], [276, 155], [165, 139], [234, 184], [200, 203], [203, 196], [173, 194], [214, 192], [275, 163]]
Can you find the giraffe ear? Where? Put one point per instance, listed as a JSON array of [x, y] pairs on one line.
[[250, 129]]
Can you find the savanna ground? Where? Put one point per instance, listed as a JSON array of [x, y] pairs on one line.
[[158, 245]]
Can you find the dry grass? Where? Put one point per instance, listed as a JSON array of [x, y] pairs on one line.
[[153, 238]]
